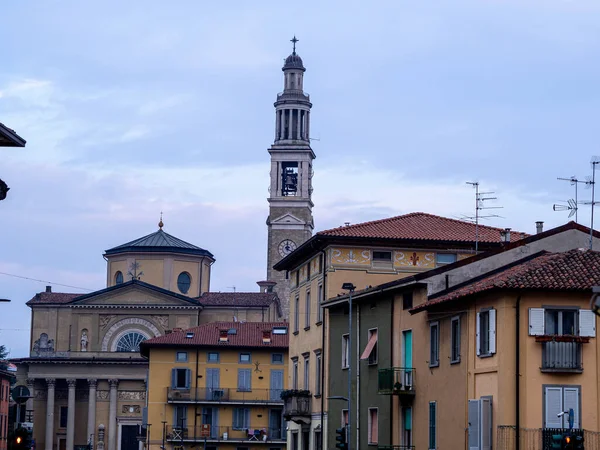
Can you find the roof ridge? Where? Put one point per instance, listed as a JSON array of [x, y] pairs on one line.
[[413, 214]]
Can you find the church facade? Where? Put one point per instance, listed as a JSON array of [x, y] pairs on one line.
[[290, 222], [87, 379]]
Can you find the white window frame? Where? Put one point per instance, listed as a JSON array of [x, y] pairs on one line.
[[491, 350], [345, 351]]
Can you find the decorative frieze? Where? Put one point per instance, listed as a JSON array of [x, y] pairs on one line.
[[102, 395], [163, 321], [131, 409], [105, 320], [132, 395]]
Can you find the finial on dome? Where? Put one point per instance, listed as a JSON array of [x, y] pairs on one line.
[[293, 41], [161, 224]]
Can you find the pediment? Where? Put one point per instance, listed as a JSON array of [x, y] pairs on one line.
[[134, 294], [287, 219]]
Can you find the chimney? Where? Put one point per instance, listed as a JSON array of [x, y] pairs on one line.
[[505, 235], [49, 289], [266, 336], [539, 226], [223, 336]]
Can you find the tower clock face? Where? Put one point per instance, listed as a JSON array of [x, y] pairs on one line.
[[286, 247]]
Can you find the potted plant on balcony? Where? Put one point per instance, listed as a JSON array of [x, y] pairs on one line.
[[288, 393]]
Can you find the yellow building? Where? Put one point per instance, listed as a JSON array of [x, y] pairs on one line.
[[218, 384], [365, 254]]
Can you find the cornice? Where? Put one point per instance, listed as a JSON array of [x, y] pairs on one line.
[[121, 306]]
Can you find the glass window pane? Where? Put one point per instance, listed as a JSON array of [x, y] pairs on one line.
[[183, 282], [568, 323], [551, 319]]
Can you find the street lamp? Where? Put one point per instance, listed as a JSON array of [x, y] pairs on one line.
[[350, 288]]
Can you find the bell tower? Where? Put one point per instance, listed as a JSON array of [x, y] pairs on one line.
[[290, 222]]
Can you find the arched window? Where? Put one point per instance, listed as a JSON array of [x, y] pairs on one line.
[[118, 277], [183, 282], [130, 342]]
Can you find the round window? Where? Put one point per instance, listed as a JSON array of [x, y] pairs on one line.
[[130, 342], [183, 282], [118, 277]]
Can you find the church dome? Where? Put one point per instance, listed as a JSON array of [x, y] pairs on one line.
[[159, 241], [293, 62]]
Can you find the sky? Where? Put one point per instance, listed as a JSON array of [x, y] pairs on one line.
[[133, 108]]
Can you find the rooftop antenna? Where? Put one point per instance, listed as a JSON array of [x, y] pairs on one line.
[[480, 198], [231, 287], [570, 206], [594, 163], [574, 182]]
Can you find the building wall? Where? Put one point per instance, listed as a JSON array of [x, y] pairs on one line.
[[259, 314], [162, 361], [4, 410], [162, 270], [366, 316]]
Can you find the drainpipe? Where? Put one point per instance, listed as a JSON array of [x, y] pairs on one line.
[[357, 375], [517, 374], [323, 265]]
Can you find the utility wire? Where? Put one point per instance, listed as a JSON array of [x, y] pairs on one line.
[[44, 281]]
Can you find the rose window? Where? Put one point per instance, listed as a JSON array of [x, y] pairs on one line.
[[130, 342]]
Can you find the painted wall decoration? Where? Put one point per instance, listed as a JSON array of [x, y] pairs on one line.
[[351, 256], [421, 260]]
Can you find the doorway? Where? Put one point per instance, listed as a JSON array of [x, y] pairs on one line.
[[129, 439], [275, 423]]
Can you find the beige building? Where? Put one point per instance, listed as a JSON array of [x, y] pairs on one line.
[[445, 348], [87, 378], [365, 254]]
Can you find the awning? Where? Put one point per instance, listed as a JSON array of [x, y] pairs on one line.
[[370, 346]]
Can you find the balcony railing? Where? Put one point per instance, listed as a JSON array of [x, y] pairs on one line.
[[561, 356], [395, 447], [397, 381], [296, 405], [539, 438], [224, 433], [221, 395], [293, 93]]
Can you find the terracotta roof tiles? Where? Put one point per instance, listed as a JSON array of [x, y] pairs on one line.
[[247, 334], [575, 270], [421, 226], [53, 298]]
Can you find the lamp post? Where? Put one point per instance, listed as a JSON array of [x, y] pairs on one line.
[[350, 288]]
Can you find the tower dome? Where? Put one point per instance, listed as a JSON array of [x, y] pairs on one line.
[[293, 62]]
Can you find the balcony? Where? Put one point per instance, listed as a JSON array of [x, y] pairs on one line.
[[397, 381], [296, 405], [225, 395], [561, 354], [396, 447], [258, 435]]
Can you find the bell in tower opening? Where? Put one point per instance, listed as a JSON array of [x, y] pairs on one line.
[[289, 179]]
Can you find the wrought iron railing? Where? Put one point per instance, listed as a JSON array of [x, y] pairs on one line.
[[561, 356], [540, 438], [232, 395], [397, 381], [199, 433]]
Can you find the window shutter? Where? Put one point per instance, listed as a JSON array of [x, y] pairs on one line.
[[492, 313], [587, 323], [486, 423], [188, 378], [536, 321], [477, 335], [554, 406], [173, 378], [571, 400], [474, 423]]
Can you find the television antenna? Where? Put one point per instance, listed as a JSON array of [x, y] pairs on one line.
[[570, 206], [591, 182], [573, 208], [480, 199]]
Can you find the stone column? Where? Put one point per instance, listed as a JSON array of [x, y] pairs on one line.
[[281, 124], [71, 382], [112, 415], [29, 404], [298, 135], [91, 427], [308, 125], [49, 445], [276, 124]]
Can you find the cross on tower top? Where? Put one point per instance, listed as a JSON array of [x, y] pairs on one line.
[[293, 41]]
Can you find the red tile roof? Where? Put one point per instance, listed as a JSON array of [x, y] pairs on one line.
[[421, 226], [238, 299], [575, 270], [248, 334], [53, 298]]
